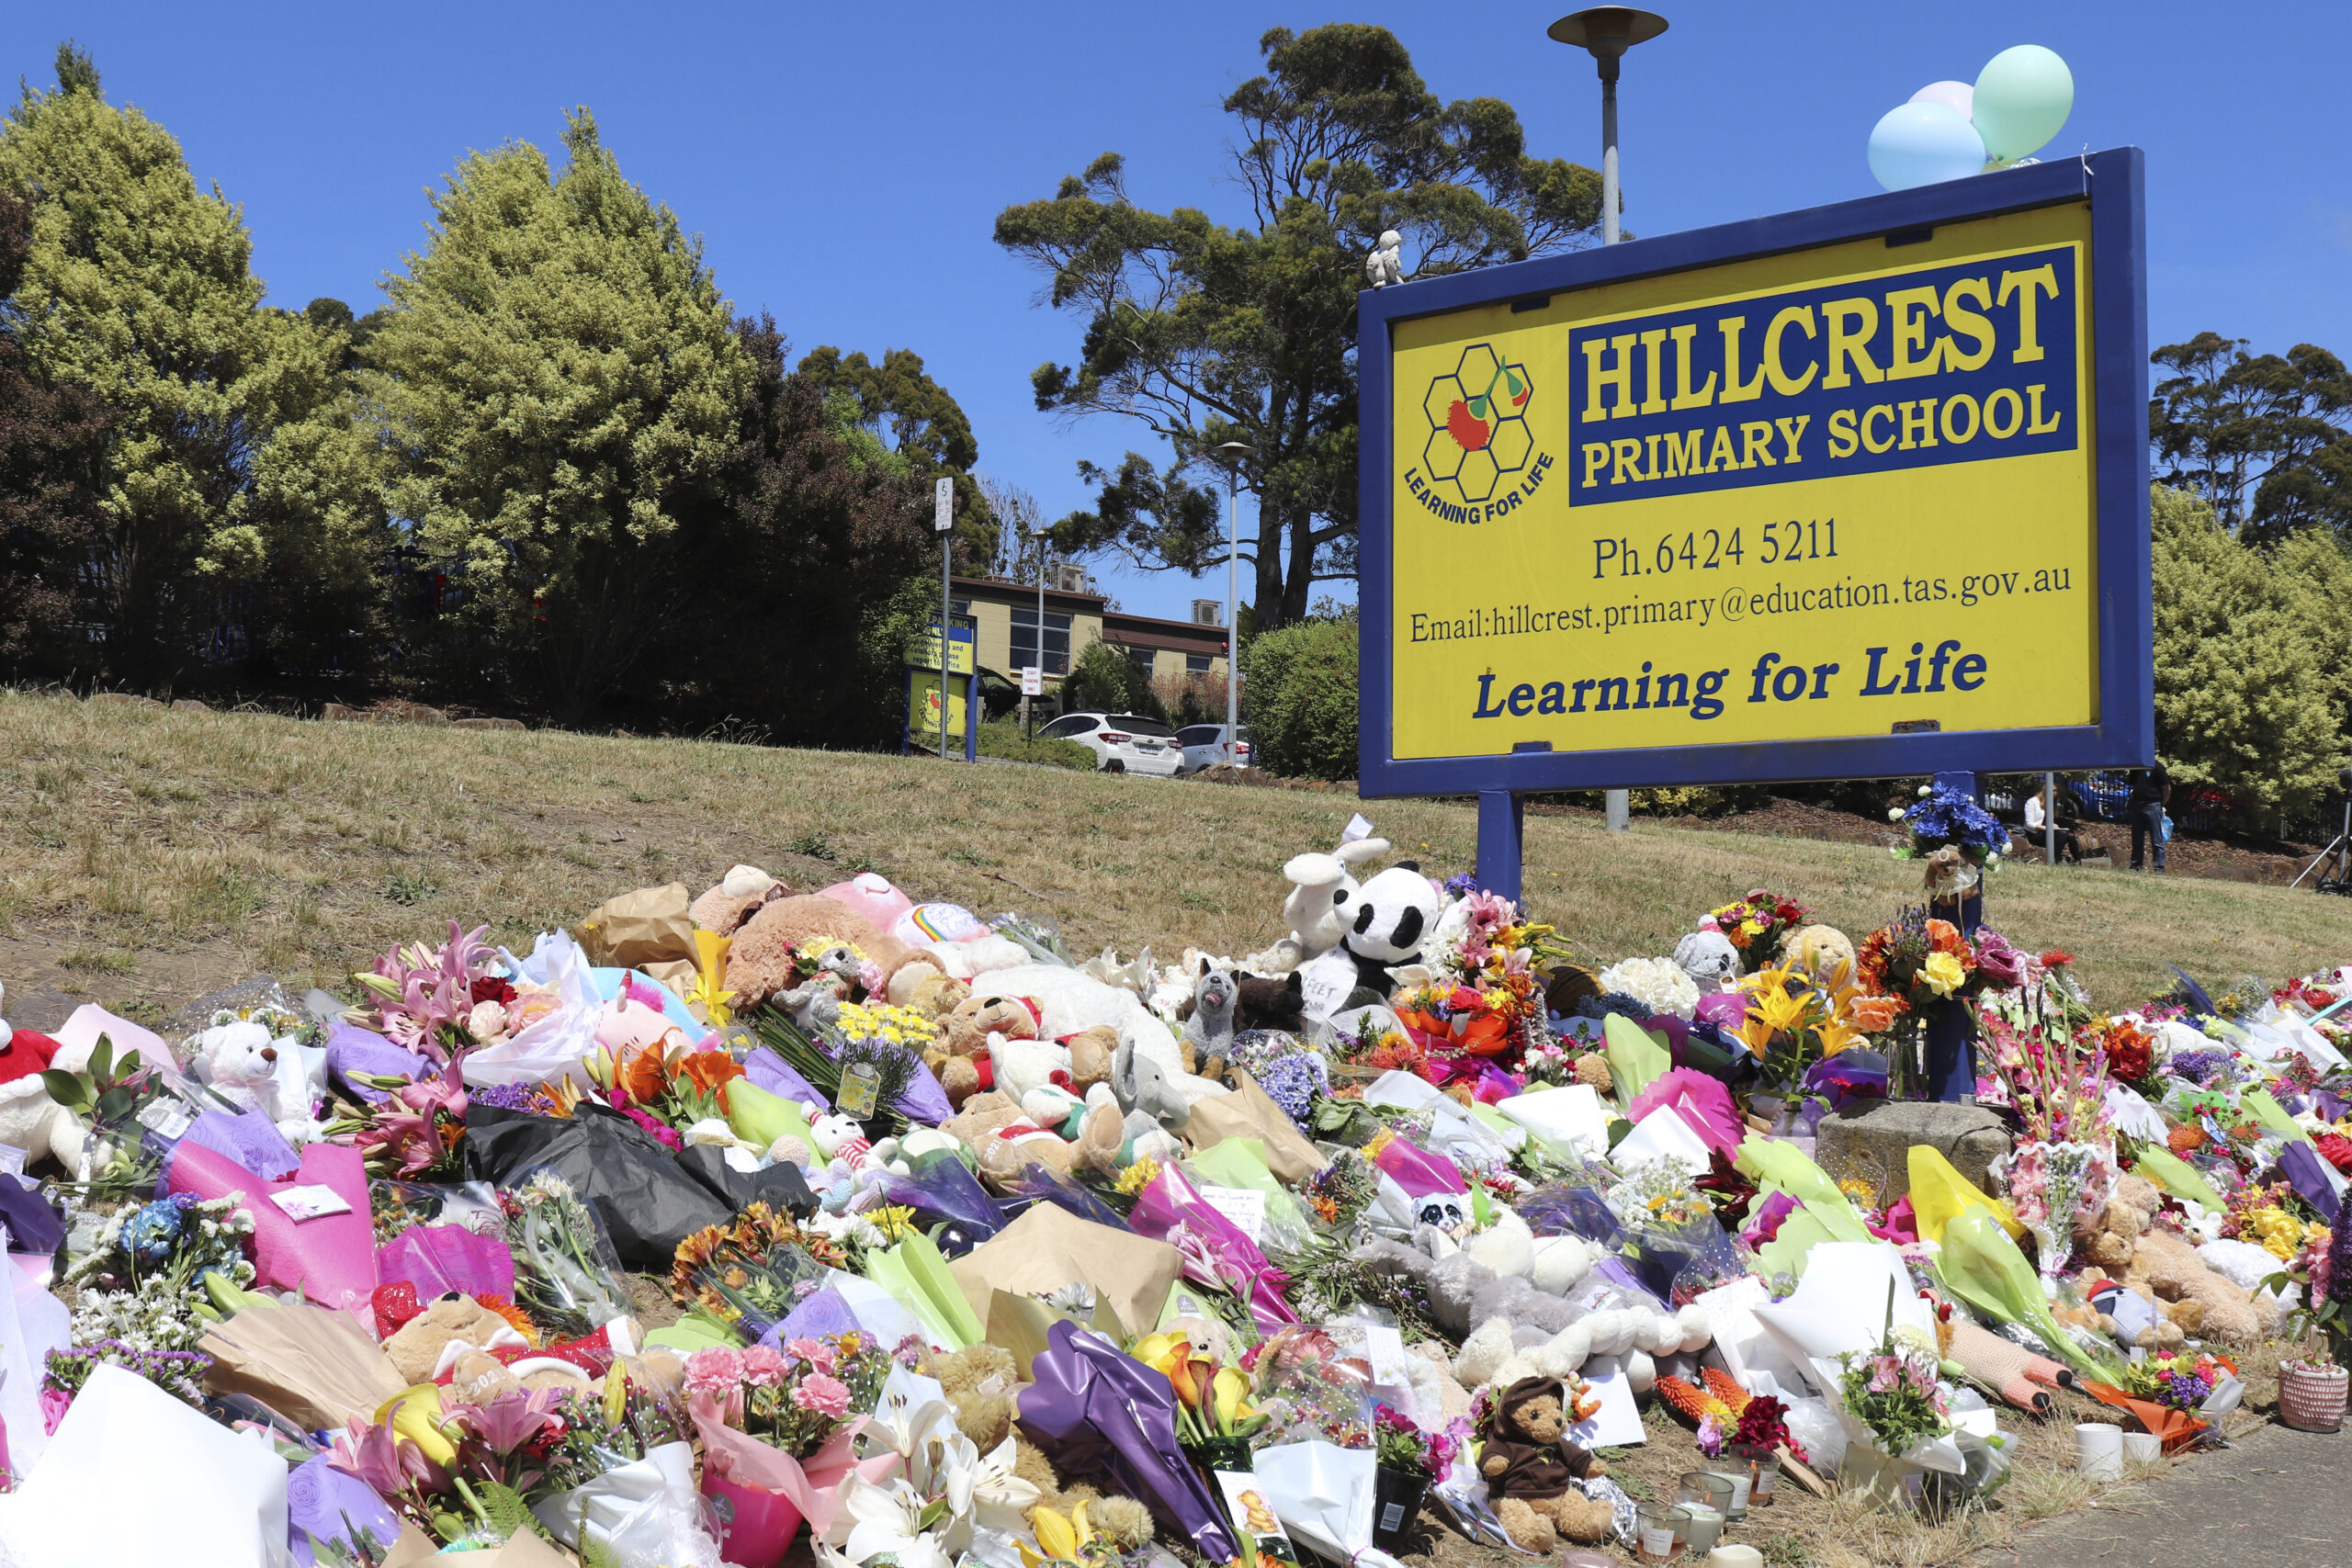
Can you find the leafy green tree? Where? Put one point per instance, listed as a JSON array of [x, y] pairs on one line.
[[1204, 335], [138, 286], [921, 422], [1104, 680], [52, 442], [2261, 437], [2243, 697], [811, 560], [559, 376], [1301, 680]]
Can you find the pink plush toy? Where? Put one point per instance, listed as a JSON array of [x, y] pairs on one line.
[[872, 896]]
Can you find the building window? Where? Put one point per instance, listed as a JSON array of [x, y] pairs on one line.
[[1196, 664], [1024, 640], [1143, 659]]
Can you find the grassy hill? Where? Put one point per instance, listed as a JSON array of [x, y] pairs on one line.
[[157, 854]]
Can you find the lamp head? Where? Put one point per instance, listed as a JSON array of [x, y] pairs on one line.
[[1606, 32]]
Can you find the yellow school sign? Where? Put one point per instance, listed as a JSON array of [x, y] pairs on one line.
[[1854, 492]]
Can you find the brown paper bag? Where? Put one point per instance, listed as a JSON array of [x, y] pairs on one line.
[[1048, 1247], [316, 1368], [649, 925], [1250, 1112], [674, 973]]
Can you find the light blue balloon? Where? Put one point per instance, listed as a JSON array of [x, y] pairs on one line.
[[2023, 97], [1921, 143]]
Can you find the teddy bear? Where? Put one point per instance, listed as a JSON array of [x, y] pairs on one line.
[[981, 1117], [250, 1067], [738, 896], [1824, 952], [24, 1053], [760, 959], [429, 1344], [935, 997], [1709, 958], [2110, 1239], [2175, 1272], [961, 1057], [1091, 1050], [1532, 1470], [981, 1385]]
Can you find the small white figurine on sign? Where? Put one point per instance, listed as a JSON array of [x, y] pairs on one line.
[[1386, 265]]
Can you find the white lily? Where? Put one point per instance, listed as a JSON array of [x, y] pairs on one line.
[[999, 1499], [888, 1521], [912, 1411]]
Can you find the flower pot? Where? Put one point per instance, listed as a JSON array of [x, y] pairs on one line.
[[755, 1526], [1395, 1503], [2310, 1399]]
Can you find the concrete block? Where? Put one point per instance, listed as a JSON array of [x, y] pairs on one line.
[[1876, 1136]]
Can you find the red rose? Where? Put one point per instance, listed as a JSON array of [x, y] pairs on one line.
[[2336, 1149]]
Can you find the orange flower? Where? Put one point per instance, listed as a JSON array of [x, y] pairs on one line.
[[2185, 1138], [513, 1314], [642, 1076], [1874, 1015], [709, 1069]]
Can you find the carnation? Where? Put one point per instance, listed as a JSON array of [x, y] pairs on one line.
[[1658, 984], [823, 1396], [714, 1371], [765, 1367]]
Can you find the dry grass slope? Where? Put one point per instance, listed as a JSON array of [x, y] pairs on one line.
[[157, 854]]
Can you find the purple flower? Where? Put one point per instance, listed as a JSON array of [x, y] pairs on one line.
[[1294, 1081], [502, 1096], [2339, 1262]]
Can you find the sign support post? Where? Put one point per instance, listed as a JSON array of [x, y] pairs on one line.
[[942, 509]]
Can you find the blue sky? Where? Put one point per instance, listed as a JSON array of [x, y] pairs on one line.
[[845, 162]]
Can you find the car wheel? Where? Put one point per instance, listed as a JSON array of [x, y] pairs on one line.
[[1114, 766]]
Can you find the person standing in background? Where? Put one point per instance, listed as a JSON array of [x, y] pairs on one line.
[[2151, 792]]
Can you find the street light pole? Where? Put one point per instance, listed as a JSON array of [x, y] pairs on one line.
[[1043, 535], [1606, 32], [1232, 452]]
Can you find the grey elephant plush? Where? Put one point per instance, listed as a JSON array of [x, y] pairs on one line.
[[1138, 1083]]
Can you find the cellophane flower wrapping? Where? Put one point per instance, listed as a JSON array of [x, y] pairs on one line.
[[644, 1514], [567, 1275], [1314, 1382], [1323, 1494], [1215, 1251], [1095, 1411]]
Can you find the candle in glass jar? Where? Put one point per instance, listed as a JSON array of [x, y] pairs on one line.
[[1706, 1524], [1740, 1482]]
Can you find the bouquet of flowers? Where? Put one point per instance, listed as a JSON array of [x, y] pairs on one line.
[[146, 1282], [666, 1088], [1310, 1382], [1759, 926], [1400, 1444], [1892, 1390], [2050, 1188], [750, 1273], [794, 1399], [1658, 984], [2053, 1073], [1794, 1022], [1922, 965], [425, 997], [2182, 1381], [1341, 1190], [2324, 1271], [567, 1277], [1213, 1402], [415, 1133], [2264, 1214], [1955, 836]]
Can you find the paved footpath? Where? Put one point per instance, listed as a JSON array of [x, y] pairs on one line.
[[2278, 1498]]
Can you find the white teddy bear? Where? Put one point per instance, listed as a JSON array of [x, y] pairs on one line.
[[248, 1067]]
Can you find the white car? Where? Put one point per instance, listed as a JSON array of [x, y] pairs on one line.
[[1204, 747], [1123, 742]]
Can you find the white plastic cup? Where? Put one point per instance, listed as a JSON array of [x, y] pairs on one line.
[[2098, 1451], [2142, 1447]]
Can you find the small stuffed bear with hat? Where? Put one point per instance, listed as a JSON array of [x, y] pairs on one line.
[[1531, 1469]]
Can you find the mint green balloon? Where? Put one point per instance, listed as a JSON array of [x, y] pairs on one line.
[[2023, 95]]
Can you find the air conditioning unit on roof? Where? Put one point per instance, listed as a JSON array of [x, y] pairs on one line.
[[1208, 612], [1069, 577]]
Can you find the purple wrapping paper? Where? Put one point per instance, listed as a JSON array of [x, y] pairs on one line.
[[923, 1102], [1039, 1182], [1620, 1273], [249, 1138], [321, 1501], [943, 1188], [1725, 1010], [2301, 1164], [771, 1072], [32, 1226], [351, 1049], [1854, 1073], [440, 1259], [822, 1313], [1095, 1411]]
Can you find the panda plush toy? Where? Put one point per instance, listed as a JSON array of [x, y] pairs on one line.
[[1388, 918]]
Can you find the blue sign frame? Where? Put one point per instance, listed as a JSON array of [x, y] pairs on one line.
[[2113, 182]]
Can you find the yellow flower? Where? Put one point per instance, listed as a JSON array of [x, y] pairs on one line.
[[1944, 973], [1230, 1390], [415, 1414], [1061, 1537], [1137, 1177]]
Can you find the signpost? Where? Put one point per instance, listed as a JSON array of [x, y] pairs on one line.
[[942, 519], [925, 680], [1854, 492]]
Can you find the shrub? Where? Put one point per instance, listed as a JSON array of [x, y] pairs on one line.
[[1104, 681], [1005, 740], [1301, 687]]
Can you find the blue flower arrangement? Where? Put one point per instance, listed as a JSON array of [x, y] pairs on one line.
[[1944, 815]]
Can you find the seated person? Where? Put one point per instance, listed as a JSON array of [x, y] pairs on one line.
[[2050, 835]]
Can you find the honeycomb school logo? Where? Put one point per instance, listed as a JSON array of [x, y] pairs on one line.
[[1478, 460]]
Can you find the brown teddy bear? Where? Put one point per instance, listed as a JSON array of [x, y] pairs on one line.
[[981, 1385], [1824, 952], [1091, 1050], [416, 1349], [1532, 1470], [980, 1118], [2111, 1240], [936, 995], [759, 961], [959, 1056], [724, 912], [2175, 1272]]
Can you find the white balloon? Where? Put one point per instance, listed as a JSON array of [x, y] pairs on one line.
[[1957, 95]]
